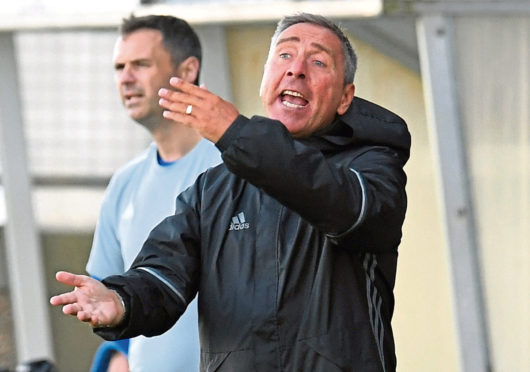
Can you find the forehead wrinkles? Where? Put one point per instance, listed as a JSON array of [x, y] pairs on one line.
[[297, 40]]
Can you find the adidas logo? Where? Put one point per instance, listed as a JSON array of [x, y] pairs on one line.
[[239, 222]]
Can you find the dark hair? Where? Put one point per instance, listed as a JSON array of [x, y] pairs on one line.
[[178, 37], [350, 58]]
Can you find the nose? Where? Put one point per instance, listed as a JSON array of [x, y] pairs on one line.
[[297, 68], [126, 75]]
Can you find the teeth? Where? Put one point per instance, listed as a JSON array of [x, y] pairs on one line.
[[289, 104], [292, 93]]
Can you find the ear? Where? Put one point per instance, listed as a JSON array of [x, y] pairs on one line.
[[188, 70], [347, 96]]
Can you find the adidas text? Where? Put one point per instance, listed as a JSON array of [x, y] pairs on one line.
[[239, 222], [239, 226]]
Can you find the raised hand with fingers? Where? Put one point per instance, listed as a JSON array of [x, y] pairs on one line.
[[90, 301], [198, 108]]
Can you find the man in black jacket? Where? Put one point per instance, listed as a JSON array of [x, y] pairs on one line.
[[292, 243]]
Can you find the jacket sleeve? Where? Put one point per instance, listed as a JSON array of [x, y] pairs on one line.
[[164, 277], [360, 200]]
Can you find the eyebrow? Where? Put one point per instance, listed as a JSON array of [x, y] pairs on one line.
[[133, 61], [296, 38]]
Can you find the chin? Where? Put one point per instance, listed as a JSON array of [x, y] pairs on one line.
[[137, 115], [293, 125], [294, 130]]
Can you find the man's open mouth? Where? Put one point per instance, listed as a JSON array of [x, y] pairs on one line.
[[293, 99]]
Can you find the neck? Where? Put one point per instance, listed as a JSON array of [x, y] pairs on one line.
[[174, 140]]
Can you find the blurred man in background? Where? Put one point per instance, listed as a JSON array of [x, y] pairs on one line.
[[149, 51]]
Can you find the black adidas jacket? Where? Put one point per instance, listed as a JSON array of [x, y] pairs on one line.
[[291, 244]]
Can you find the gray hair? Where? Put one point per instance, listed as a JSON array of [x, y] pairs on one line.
[[350, 58]]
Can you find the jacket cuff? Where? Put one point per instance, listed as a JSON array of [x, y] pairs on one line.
[[116, 332], [231, 133]]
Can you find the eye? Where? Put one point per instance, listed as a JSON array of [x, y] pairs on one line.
[[142, 63], [319, 63], [285, 55]]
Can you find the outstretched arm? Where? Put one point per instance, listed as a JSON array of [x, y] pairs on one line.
[[90, 301]]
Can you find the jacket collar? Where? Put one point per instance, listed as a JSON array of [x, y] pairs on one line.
[[364, 124]]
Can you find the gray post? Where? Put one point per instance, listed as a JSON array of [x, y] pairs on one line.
[[25, 266], [435, 50], [215, 70]]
